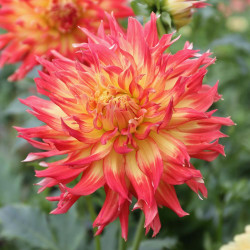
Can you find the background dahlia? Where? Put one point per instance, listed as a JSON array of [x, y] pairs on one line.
[[241, 241], [36, 27], [129, 117]]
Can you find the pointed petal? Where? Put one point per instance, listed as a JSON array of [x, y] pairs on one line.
[[165, 195], [149, 160], [91, 180], [110, 210], [98, 152], [140, 181], [114, 172]]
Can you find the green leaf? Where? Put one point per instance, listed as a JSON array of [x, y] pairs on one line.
[[68, 229], [236, 41], [158, 244], [110, 237], [27, 224], [140, 9], [8, 180]]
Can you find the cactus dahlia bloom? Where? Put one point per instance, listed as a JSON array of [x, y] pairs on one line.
[[128, 117], [36, 27], [241, 241], [181, 11]]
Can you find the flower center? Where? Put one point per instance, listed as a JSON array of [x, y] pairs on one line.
[[63, 16], [114, 109]]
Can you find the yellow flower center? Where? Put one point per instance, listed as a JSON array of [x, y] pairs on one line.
[[114, 108]]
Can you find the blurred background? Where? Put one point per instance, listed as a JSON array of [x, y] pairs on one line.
[[25, 223]]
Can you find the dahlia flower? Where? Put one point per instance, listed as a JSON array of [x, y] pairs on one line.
[[36, 27], [181, 11], [128, 117], [241, 241]]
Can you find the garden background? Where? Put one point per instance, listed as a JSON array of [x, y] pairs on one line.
[[25, 222]]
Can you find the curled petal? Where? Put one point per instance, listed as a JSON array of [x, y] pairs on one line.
[[120, 145]]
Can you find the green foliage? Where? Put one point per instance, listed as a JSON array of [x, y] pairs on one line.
[[158, 244], [32, 226]]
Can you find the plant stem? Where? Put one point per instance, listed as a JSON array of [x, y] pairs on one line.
[[93, 216], [139, 233], [122, 244]]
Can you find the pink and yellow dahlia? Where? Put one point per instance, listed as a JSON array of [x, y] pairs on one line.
[[181, 11], [34, 28], [128, 117]]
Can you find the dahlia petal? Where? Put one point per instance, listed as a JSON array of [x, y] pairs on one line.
[[64, 144], [65, 203], [149, 160], [120, 145], [170, 147], [40, 132], [94, 38], [125, 78], [67, 105], [98, 152], [108, 135], [149, 211], [39, 155], [209, 155], [124, 219], [139, 180], [200, 102], [197, 187], [91, 180], [144, 129], [184, 115], [167, 117], [37, 144], [114, 172], [115, 29], [206, 151], [177, 174], [135, 38], [105, 55], [150, 31], [82, 137], [45, 183], [191, 137], [28, 64], [162, 45], [165, 195], [58, 172], [53, 122], [225, 121], [156, 225], [110, 210]]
